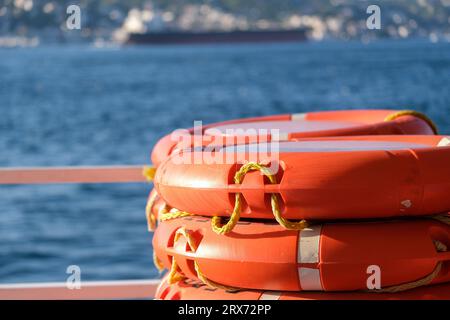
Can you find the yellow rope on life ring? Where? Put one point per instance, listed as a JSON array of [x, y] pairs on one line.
[[413, 113], [149, 173], [274, 201], [174, 274], [440, 247]]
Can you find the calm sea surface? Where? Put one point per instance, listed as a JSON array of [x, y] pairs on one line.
[[82, 106]]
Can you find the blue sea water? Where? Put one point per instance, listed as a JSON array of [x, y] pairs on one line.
[[83, 105]]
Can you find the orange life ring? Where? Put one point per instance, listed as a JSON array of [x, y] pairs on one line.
[[317, 179], [312, 124], [328, 257], [195, 290]]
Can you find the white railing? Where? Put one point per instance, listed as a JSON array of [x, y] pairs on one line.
[[122, 289], [126, 289], [73, 174]]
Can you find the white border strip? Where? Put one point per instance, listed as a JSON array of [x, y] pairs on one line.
[[298, 116], [308, 252], [310, 279], [282, 136], [270, 295], [308, 246], [445, 142]]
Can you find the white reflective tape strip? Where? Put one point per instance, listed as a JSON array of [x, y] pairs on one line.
[[308, 246], [445, 142], [282, 136], [270, 295], [298, 116], [310, 279]]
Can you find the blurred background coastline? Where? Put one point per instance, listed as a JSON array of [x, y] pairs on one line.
[[109, 22]]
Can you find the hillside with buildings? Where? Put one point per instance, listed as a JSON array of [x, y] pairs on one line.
[[43, 21]]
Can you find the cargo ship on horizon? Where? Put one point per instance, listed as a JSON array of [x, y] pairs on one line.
[[205, 37]]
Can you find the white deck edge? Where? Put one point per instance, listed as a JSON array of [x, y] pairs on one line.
[[120, 289]]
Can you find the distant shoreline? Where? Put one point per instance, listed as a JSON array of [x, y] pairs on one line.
[[115, 45]]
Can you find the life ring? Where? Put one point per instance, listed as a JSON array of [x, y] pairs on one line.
[[317, 179], [195, 290], [328, 257], [306, 125]]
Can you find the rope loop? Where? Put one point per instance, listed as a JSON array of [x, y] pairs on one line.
[[149, 173], [158, 264], [440, 247], [216, 221], [413, 113], [172, 214], [151, 219], [175, 275], [444, 218]]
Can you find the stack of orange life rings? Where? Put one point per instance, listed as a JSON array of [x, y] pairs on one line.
[[350, 202]]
